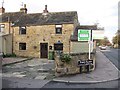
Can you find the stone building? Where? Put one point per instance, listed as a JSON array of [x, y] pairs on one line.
[[35, 34], [6, 30]]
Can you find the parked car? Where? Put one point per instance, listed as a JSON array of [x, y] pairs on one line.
[[103, 47]]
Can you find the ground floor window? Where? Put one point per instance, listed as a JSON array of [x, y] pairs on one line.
[[22, 46], [58, 46]]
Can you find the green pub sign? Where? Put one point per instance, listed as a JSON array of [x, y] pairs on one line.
[[83, 35]]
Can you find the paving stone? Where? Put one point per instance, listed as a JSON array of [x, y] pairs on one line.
[[33, 69], [20, 76], [13, 75], [40, 77]]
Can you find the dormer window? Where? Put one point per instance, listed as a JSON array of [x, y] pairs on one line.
[[22, 30], [58, 29]]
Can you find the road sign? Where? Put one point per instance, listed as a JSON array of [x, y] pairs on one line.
[[84, 62], [83, 35], [98, 34]]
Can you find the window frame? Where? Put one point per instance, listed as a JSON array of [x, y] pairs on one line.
[[58, 46], [22, 30], [58, 27], [22, 46]]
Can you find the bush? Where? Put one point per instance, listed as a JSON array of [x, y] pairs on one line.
[[9, 55], [65, 58]]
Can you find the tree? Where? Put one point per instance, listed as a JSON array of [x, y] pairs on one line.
[[116, 38], [104, 41]]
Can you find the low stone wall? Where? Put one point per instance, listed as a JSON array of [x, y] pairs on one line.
[[63, 68]]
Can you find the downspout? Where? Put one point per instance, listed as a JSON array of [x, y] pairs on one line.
[[9, 24], [12, 39], [69, 46]]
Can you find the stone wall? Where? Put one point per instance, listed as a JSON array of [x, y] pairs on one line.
[[41, 34], [62, 68]]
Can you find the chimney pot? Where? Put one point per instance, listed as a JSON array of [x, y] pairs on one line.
[[24, 9], [2, 10], [24, 5], [45, 11]]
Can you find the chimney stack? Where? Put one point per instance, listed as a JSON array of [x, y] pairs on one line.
[[24, 9], [2, 10], [45, 11]]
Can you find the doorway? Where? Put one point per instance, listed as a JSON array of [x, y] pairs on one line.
[[44, 50]]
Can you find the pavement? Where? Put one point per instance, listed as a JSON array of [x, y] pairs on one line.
[[26, 68], [22, 83], [8, 61], [104, 71]]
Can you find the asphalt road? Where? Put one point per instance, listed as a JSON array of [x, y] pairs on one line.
[[32, 83], [111, 84], [14, 82], [113, 55]]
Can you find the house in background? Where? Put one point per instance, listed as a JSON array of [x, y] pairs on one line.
[[6, 44], [83, 46], [6, 33]]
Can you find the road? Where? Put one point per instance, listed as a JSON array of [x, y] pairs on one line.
[[113, 55], [32, 83]]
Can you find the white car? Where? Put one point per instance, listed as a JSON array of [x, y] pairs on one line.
[[103, 47]]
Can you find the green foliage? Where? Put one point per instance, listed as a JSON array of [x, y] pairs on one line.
[[104, 41], [116, 38], [65, 58], [9, 55]]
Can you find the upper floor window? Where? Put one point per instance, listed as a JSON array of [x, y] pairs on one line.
[[2, 27], [58, 29], [22, 30], [22, 46]]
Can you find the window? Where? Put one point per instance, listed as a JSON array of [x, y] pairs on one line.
[[22, 30], [22, 46], [58, 29], [58, 46], [2, 27]]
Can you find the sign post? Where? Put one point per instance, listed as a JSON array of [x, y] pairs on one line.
[[85, 35], [89, 47]]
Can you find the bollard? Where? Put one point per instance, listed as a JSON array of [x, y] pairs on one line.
[[80, 69]]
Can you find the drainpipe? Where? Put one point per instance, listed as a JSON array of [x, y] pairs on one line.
[[69, 46], [12, 38], [9, 24]]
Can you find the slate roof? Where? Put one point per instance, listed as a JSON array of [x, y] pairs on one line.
[[21, 19], [74, 37], [50, 18], [12, 16]]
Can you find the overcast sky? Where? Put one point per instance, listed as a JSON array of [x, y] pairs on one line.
[[105, 12]]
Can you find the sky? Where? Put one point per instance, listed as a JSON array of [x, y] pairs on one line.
[[104, 12]]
